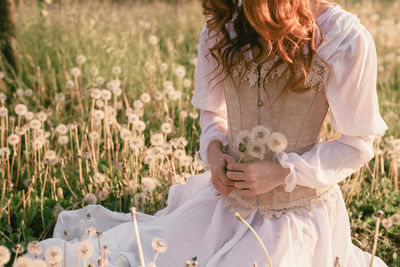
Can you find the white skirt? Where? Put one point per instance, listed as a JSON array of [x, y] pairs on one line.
[[196, 224]]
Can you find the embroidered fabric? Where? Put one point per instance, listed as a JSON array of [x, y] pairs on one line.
[[315, 77]]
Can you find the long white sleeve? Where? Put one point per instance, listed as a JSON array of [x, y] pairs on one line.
[[354, 110], [209, 98]]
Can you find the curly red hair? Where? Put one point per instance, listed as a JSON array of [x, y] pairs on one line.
[[286, 28]]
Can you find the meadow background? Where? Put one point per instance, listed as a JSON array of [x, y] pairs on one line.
[[100, 113]]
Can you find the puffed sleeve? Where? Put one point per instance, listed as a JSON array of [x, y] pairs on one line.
[[354, 112], [209, 98]]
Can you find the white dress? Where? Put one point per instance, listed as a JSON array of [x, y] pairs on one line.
[[196, 223]]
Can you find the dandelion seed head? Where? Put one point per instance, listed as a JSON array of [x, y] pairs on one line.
[[103, 195], [387, 223], [158, 95], [183, 114], [90, 198], [395, 218], [243, 138], [34, 248], [57, 210], [13, 139], [35, 124], [175, 95], [159, 245], [198, 166], [28, 116], [187, 83], [145, 97], [277, 142], [150, 68], [157, 139], [100, 80], [185, 161], [182, 142], [75, 72], [62, 129], [255, 149], [163, 67], [53, 254], [94, 71], [180, 154], [59, 97], [28, 92], [95, 93], [153, 40], [138, 104], [5, 255], [259, 134], [3, 111], [180, 71], [106, 95], [63, 140], [70, 84], [149, 184], [166, 127], [5, 152], [139, 126], [125, 134], [117, 70], [42, 116], [50, 155], [20, 109], [149, 159], [19, 92], [20, 131], [23, 262], [99, 178], [80, 59], [194, 115], [39, 263], [84, 249]]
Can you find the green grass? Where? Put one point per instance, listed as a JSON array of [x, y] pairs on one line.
[[111, 35]]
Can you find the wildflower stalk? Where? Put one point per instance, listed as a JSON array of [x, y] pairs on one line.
[[240, 218], [379, 215], [133, 212]]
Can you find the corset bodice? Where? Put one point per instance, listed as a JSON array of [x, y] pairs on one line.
[[299, 116]]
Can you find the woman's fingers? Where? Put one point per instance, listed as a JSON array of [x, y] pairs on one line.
[[236, 166], [229, 159], [237, 176], [223, 189]]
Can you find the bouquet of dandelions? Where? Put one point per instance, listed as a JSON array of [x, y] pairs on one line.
[[259, 141]]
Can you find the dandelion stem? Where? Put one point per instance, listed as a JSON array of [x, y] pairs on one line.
[[378, 222], [240, 218], [133, 212]]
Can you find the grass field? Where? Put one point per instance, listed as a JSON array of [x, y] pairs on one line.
[[102, 114]]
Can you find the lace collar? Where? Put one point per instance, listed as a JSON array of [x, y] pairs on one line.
[[314, 79]]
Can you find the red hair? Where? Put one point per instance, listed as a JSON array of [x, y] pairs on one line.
[[286, 27]]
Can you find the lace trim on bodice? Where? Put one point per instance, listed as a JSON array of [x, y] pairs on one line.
[[234, 203], [315, 78]]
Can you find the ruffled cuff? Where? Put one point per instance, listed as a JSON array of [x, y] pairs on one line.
[[291, 178]]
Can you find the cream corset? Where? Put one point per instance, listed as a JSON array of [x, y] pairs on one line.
[[299, 116]]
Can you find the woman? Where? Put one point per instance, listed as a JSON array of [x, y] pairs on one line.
[[271, 74]]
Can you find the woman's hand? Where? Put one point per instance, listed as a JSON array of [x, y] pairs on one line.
[[258, 177], [218, 161]]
